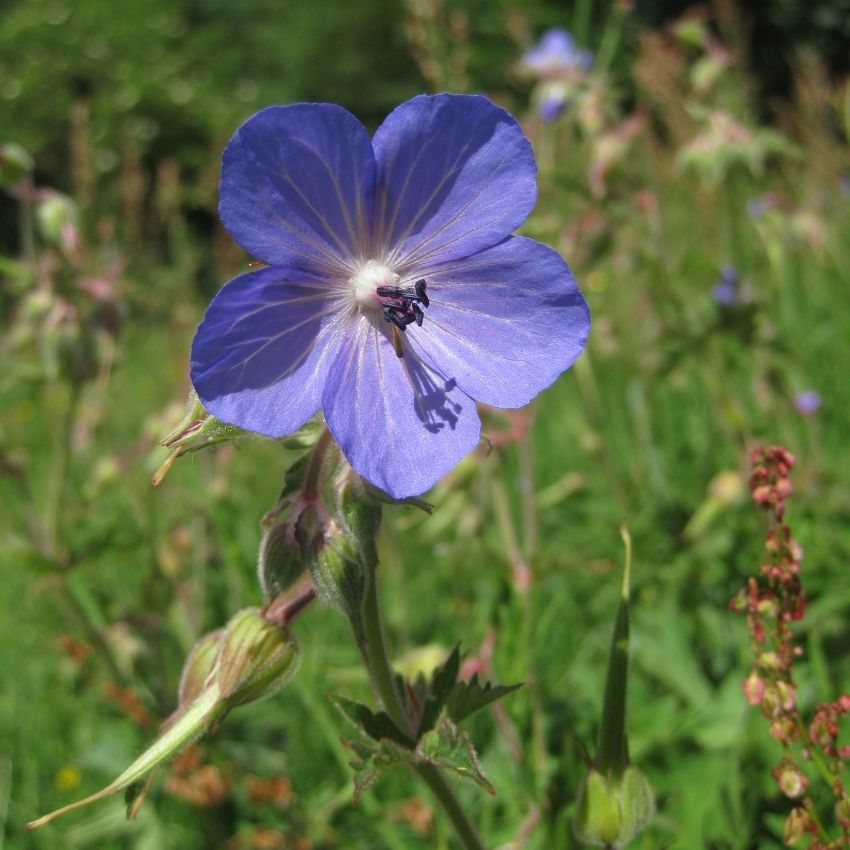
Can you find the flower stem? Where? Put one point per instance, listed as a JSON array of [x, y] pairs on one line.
[[374, 650], [466, 832]]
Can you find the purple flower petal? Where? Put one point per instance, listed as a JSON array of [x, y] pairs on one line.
[[556, 52], [299, 180], [399, 422], [505, 322], [455, 175], [264, 347]]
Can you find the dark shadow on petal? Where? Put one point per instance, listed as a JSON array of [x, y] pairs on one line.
[[434, 409]]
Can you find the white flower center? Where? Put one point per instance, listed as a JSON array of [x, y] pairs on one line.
[[364, 285]]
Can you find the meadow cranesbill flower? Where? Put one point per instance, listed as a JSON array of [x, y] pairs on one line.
[[394, 294], [558, 63]]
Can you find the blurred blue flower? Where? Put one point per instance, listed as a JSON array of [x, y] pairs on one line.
[[394, 295], [807, 402], [844, 185], [557, 62], [725, 290], [555, 55]]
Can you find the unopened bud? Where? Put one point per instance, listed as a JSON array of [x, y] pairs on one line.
[[339, 545], [256, 658], [612, 811], [198, 666], [279, 562], [334, 561]]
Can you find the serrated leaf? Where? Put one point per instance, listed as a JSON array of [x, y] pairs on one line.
[[443, 680], [371, 761], [469, 697], [450, 748], [377, 725]]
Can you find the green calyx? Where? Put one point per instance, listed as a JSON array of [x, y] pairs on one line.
[[612, 811]]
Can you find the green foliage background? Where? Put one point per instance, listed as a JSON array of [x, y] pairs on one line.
[[107, 583]]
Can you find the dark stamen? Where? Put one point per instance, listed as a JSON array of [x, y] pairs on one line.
[[419, 289], [401, 307]]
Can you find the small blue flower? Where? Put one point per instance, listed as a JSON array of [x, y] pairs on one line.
[[725, 291], [556, 55], [807, 402], [558, 64], [394, 295]]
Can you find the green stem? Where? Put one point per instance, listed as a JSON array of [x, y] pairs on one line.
[[441, 789], [374, 650]]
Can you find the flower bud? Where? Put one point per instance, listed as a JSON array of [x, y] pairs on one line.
[[334, 561], [255, 659], [15, 164], [612, 811], [198, 666], [279, 562]]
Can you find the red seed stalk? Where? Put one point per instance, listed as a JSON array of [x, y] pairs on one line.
[[773, 601]]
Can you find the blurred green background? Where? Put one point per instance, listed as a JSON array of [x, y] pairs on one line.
[[695, 142]]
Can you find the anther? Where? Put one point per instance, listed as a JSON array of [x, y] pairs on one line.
[[401, 307]]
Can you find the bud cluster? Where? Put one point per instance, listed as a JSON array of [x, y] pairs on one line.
[[773, 601]]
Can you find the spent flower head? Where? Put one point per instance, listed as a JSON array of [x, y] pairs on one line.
[[394, 295]]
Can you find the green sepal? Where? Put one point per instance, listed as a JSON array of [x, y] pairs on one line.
[[450, 748], [376, 725], [470, 697], [611, 811]]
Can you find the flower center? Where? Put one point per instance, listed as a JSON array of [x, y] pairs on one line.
[[376, 286], [364, 285]]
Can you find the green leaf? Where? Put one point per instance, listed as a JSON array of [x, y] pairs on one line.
[[450, 748], [469, 697], [376, 725], [371, 761], [442, 682]]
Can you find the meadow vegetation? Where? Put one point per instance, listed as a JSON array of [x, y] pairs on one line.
[[665, 177]]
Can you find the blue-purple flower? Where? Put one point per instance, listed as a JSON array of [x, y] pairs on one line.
[[725, 291], [807, 402], [395, 295], [558, 63]]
